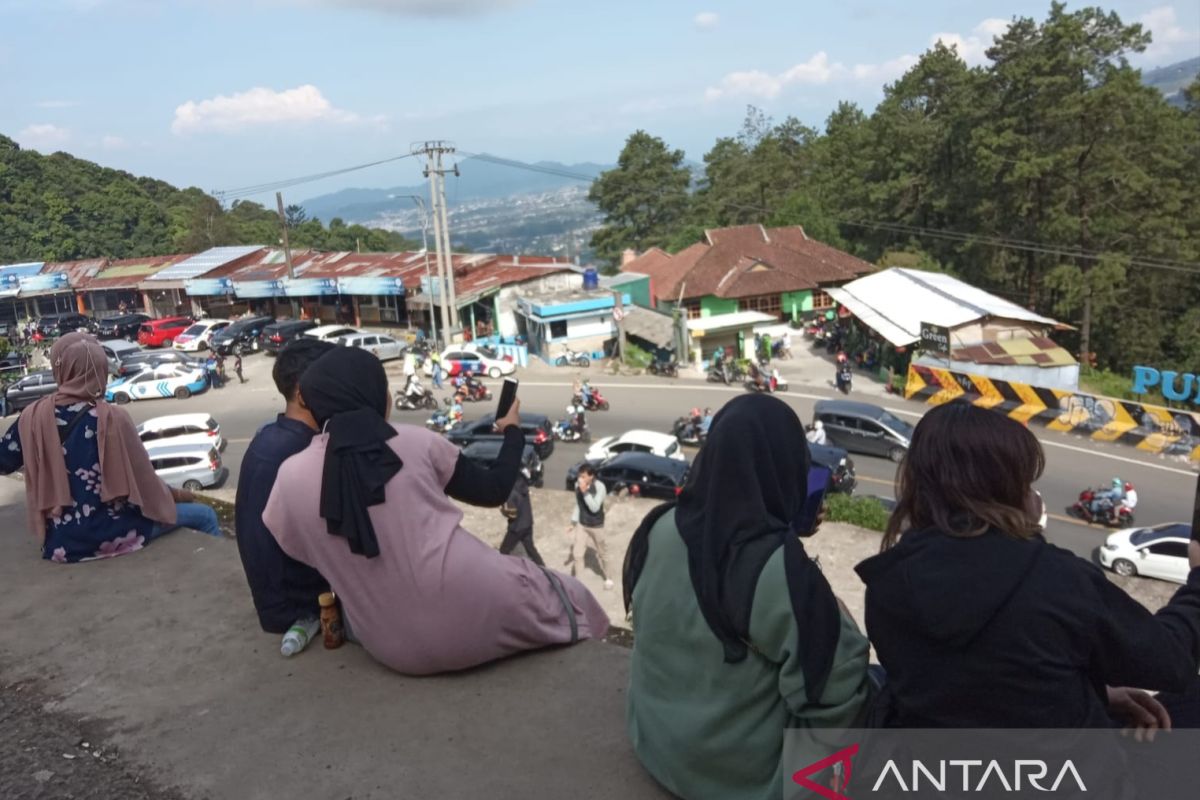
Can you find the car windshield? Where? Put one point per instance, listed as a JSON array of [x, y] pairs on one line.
[[896, 424], [194, 330], [488, 351]]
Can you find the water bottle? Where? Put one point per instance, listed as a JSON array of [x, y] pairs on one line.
[[298, 636]]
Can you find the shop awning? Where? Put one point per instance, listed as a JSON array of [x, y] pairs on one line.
[[45, 283], [309, 287], [208, 287], [371, 286], [246, 290], [10, 276]]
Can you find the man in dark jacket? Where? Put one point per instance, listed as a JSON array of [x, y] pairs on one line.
[[284, 590], [520, 520], [587, 523]]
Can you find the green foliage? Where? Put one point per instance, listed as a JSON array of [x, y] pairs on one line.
[[636, 356], [60, 208], [865, 512], [1113, 384]]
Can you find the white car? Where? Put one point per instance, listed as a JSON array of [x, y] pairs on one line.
[[636, 441], [199, 335], [331, 333], [1157, 552], [475, 360], [383, 347], [199, 430], [169, 380], [115, 350], [187, 466]]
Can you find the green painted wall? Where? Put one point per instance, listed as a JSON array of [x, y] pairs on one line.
[[639, 292], [793, 304], [711, 306]]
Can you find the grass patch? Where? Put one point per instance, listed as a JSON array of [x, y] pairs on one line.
[[864, 512], [1112, 384], [225, 513]]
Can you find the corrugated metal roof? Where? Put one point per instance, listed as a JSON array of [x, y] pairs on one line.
[[199, 264]]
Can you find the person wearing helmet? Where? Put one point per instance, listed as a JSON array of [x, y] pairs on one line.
[[1108, 500], [1130, 500], [706, 421], [817, 434]]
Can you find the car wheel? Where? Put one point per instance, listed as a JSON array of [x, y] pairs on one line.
[[168, 343], [494, 372], [193, 486], [120, 398], [584, 362], [561, 361], [183, 393], [896, 454], [202, 346], [603, 405], [1124, 567]]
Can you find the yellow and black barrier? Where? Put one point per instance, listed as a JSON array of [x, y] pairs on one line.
[[1103, 419]]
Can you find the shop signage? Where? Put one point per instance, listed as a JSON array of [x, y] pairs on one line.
[[258, 289], [371, 286], [208, 287], [1177, 386], [935, 339], [309, 287], [50, 282]]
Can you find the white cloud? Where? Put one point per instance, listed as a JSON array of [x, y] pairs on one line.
[[706, 20], [1166, 32], [884, 72], [756, 83], [972, 48], [258, 106], [45, 137], [111, 142], [416, 8], [56, 104]]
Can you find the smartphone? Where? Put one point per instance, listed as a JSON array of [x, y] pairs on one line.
[[508, 393], [1196, 513], [818, 483]]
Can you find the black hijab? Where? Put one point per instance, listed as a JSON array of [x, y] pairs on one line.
[[347, 392], [746, 489]]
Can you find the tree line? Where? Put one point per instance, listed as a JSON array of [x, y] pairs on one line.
[[62, 208], [1050, 175]]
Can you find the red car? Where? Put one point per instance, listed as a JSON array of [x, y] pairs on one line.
[[162, 332]]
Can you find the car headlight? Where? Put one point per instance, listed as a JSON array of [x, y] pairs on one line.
[[1110, 546], [842, 463]]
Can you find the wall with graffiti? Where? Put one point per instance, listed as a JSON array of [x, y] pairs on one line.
[[1152, 428]]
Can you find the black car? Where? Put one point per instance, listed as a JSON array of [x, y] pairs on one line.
[[536, 428], [57, 324], [278, 334], [654, 476], [122, 327], [244, 333], [485, 452], [863, 428], [839, 464], [25, 391], [138, 360]]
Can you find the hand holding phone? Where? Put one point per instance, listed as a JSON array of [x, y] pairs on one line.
[[508, 410], [818, 482]]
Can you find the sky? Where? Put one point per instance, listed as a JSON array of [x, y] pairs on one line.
[[223, 94]]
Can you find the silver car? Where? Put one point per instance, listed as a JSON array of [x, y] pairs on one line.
[[385, 348], [187, 466]]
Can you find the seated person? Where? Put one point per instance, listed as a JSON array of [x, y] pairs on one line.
[[368, 504], [739, 636], [85, 501], [706, 422], [283, 589], [817, 434], [1110, 498]]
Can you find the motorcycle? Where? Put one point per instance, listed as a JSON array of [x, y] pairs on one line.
[[1110, 514], [726, 373], [442, 421], [667, 369], [474, 392], [417, 397], [596, 401], [844, 379], [565, 431], [571, 358], [687, 431]]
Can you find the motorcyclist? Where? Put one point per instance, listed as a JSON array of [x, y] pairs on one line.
[[414, 390], [1109, 499], [706, 421], [817, 434], [843, 374], [1131, 498], [585, 392], [760, 379], [692, 428]]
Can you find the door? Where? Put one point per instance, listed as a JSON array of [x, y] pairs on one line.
[[1164, 560], [388, 348], [840, 431], [24, 391], [875, 439]]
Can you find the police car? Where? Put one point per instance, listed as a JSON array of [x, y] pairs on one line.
[[167, 380]]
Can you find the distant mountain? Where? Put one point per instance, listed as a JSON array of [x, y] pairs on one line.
[[478, 180], [1172, 79]]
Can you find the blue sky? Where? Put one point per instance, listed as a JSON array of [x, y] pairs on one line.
[[225, 93]]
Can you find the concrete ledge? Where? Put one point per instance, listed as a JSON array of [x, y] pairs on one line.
[[162, 645]]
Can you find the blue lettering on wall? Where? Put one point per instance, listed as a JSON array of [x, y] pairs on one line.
[[1173, 385]]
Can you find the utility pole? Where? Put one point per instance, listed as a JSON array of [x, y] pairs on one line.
[[433, 151], [425, 249], [619, 316], [287, 251]]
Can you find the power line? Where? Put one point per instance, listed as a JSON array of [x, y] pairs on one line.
[[273, 186]]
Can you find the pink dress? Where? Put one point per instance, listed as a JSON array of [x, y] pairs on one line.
[[436, 598]]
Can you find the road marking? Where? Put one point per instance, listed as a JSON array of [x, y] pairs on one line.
[[1073, 521], [869, 479], [237, 441]]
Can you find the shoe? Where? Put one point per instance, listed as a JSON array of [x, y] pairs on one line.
[[608, 584]]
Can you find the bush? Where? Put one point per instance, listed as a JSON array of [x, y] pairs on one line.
[[865, 512]]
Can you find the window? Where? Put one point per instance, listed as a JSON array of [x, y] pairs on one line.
[[558, 329], [766, 304], [1176, 549], [672, 448], [822, 300], [692, 307]]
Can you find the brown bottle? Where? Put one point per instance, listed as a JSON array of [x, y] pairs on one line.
[[331, 621]]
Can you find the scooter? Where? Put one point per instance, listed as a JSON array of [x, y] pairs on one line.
[[441, 421], [571, 358], [1114, 516], [687, 431], [417, 397], [475, 392], [595, 403], [667, 369], [845, 377], [564, 431]]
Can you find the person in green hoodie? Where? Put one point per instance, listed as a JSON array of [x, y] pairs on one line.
[[738, 636]]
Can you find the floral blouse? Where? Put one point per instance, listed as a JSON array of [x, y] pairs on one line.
[[89, 529]]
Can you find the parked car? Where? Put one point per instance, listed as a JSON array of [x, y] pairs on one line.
[[199, 335], [243, 332], [24, 392], [475, 360], [278, 334], [637, 441], [136, 361], [654, 476], [53, 325], [841, 467], [536, 428], [170, 380], [122, 327], [485, 451], [863, 428], [193, 429], [385, 348], [1157, 552], [116, 351], [187, 466], [162, 332], [331, 333]]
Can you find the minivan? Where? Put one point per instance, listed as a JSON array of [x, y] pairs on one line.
[[278, 334], [242, 333], [122, 327], [58, 324], [863, 428], [162, 332], [187, 466]]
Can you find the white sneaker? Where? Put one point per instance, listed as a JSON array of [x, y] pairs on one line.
[[608, 584]]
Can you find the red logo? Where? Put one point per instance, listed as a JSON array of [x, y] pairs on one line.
[[838, 780]]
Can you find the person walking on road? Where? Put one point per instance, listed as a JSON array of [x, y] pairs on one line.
[[237, 366], [587, 523], [436, 358], [519, 512]]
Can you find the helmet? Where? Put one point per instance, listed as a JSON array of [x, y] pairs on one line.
[[1129, 487], [571, 408], [525, 472], [818, 425], [1116, 483], [695, 412]]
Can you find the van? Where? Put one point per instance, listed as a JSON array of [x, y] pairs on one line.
[[194, 429], [185, 466], [863, 428], [162, 332]]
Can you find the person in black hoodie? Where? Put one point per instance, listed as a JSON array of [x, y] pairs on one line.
[[979, 622]]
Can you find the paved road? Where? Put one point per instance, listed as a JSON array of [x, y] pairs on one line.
[[1165, 487]]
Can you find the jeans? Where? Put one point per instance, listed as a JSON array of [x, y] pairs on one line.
[[196, 516]]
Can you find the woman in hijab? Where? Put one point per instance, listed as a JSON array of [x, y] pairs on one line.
[[739, 636], [368, 504], [90, 490]]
